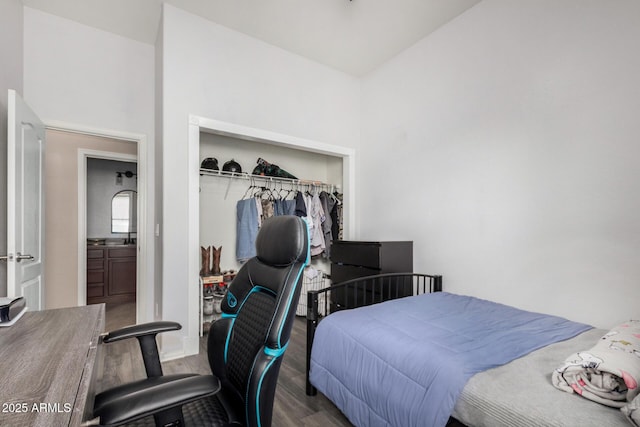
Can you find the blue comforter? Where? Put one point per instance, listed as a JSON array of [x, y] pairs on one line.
[[404, 362]]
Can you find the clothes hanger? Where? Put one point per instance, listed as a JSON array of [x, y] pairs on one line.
[[246, 193], [335, 194], [293, 191], [268, 193], [249, 189], [280, 192], [257, 193]]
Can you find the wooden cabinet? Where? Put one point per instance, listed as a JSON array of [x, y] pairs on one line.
[[353, 259], [111, 274]]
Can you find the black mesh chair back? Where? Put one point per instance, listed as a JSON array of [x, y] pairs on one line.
[[246, 345]]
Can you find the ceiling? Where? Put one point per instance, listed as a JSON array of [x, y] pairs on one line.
[[352, 36]]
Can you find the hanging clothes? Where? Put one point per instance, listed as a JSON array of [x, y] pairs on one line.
[[246, 229], [301, 206], [317, 215], [289, 207], [321, 210], [258, 204], [327, 206], [284, 207], [278, 207], [336, 217], [267, 209]]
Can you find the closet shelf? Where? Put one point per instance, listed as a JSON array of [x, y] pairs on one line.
[[261, 178]]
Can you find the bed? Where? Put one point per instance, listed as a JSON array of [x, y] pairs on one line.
[[371, 363]]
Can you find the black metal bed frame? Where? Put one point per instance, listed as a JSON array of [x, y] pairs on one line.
[[360, 292]]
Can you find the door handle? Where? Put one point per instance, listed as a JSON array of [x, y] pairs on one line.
[[20, 257]]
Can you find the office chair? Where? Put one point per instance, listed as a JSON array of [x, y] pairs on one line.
[[245, 346]]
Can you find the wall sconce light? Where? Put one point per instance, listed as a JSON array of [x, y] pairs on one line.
[[127, 174]]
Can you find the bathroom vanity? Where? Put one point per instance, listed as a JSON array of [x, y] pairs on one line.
[[111, 273]]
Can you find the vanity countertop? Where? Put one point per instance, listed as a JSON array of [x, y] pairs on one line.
[[112, 245], [109, 243]]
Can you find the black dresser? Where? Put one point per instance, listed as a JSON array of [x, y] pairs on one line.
[[353, 259]]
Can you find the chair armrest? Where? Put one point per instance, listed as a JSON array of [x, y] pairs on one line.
[[135, 331], [146, 335], [157, 398]]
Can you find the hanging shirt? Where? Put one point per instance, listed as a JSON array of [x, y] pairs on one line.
[[289, 207], [278, 207], [301, 207], [336, 217], [284, 207], [317, 216], [267, 209], [258, 204], [327, 206]]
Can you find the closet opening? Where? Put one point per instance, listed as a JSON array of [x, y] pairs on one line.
[[317, 167], [230, 181]]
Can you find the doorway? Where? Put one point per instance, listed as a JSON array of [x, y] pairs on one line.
[[67, 154], [111, 229]]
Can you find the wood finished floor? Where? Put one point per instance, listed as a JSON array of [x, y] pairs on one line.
[[292, 407]]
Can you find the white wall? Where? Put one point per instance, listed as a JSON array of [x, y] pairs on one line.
[[218, 73], [512, 136], [11, 29], [82, 75], [79, 75]]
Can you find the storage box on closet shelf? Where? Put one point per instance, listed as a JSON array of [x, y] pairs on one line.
[[313, 280]]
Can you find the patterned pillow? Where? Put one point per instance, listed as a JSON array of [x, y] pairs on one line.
[[632, 411], [607, 373]]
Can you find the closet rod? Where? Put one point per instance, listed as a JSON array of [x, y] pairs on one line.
[[245, 175]]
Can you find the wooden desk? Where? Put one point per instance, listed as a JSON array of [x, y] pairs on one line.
[[47, 364]]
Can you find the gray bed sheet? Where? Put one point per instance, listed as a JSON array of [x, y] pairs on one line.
[[520, 394]]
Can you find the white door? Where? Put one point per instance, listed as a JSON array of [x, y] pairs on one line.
[[25, 203]]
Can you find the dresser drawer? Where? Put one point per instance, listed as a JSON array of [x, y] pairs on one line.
[[95, 291], [95, 253], [122, 252], [341, 273], [366, 254], [95, 264], [95, 276]]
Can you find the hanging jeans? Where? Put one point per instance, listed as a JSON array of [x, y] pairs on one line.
[[247, 229]]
